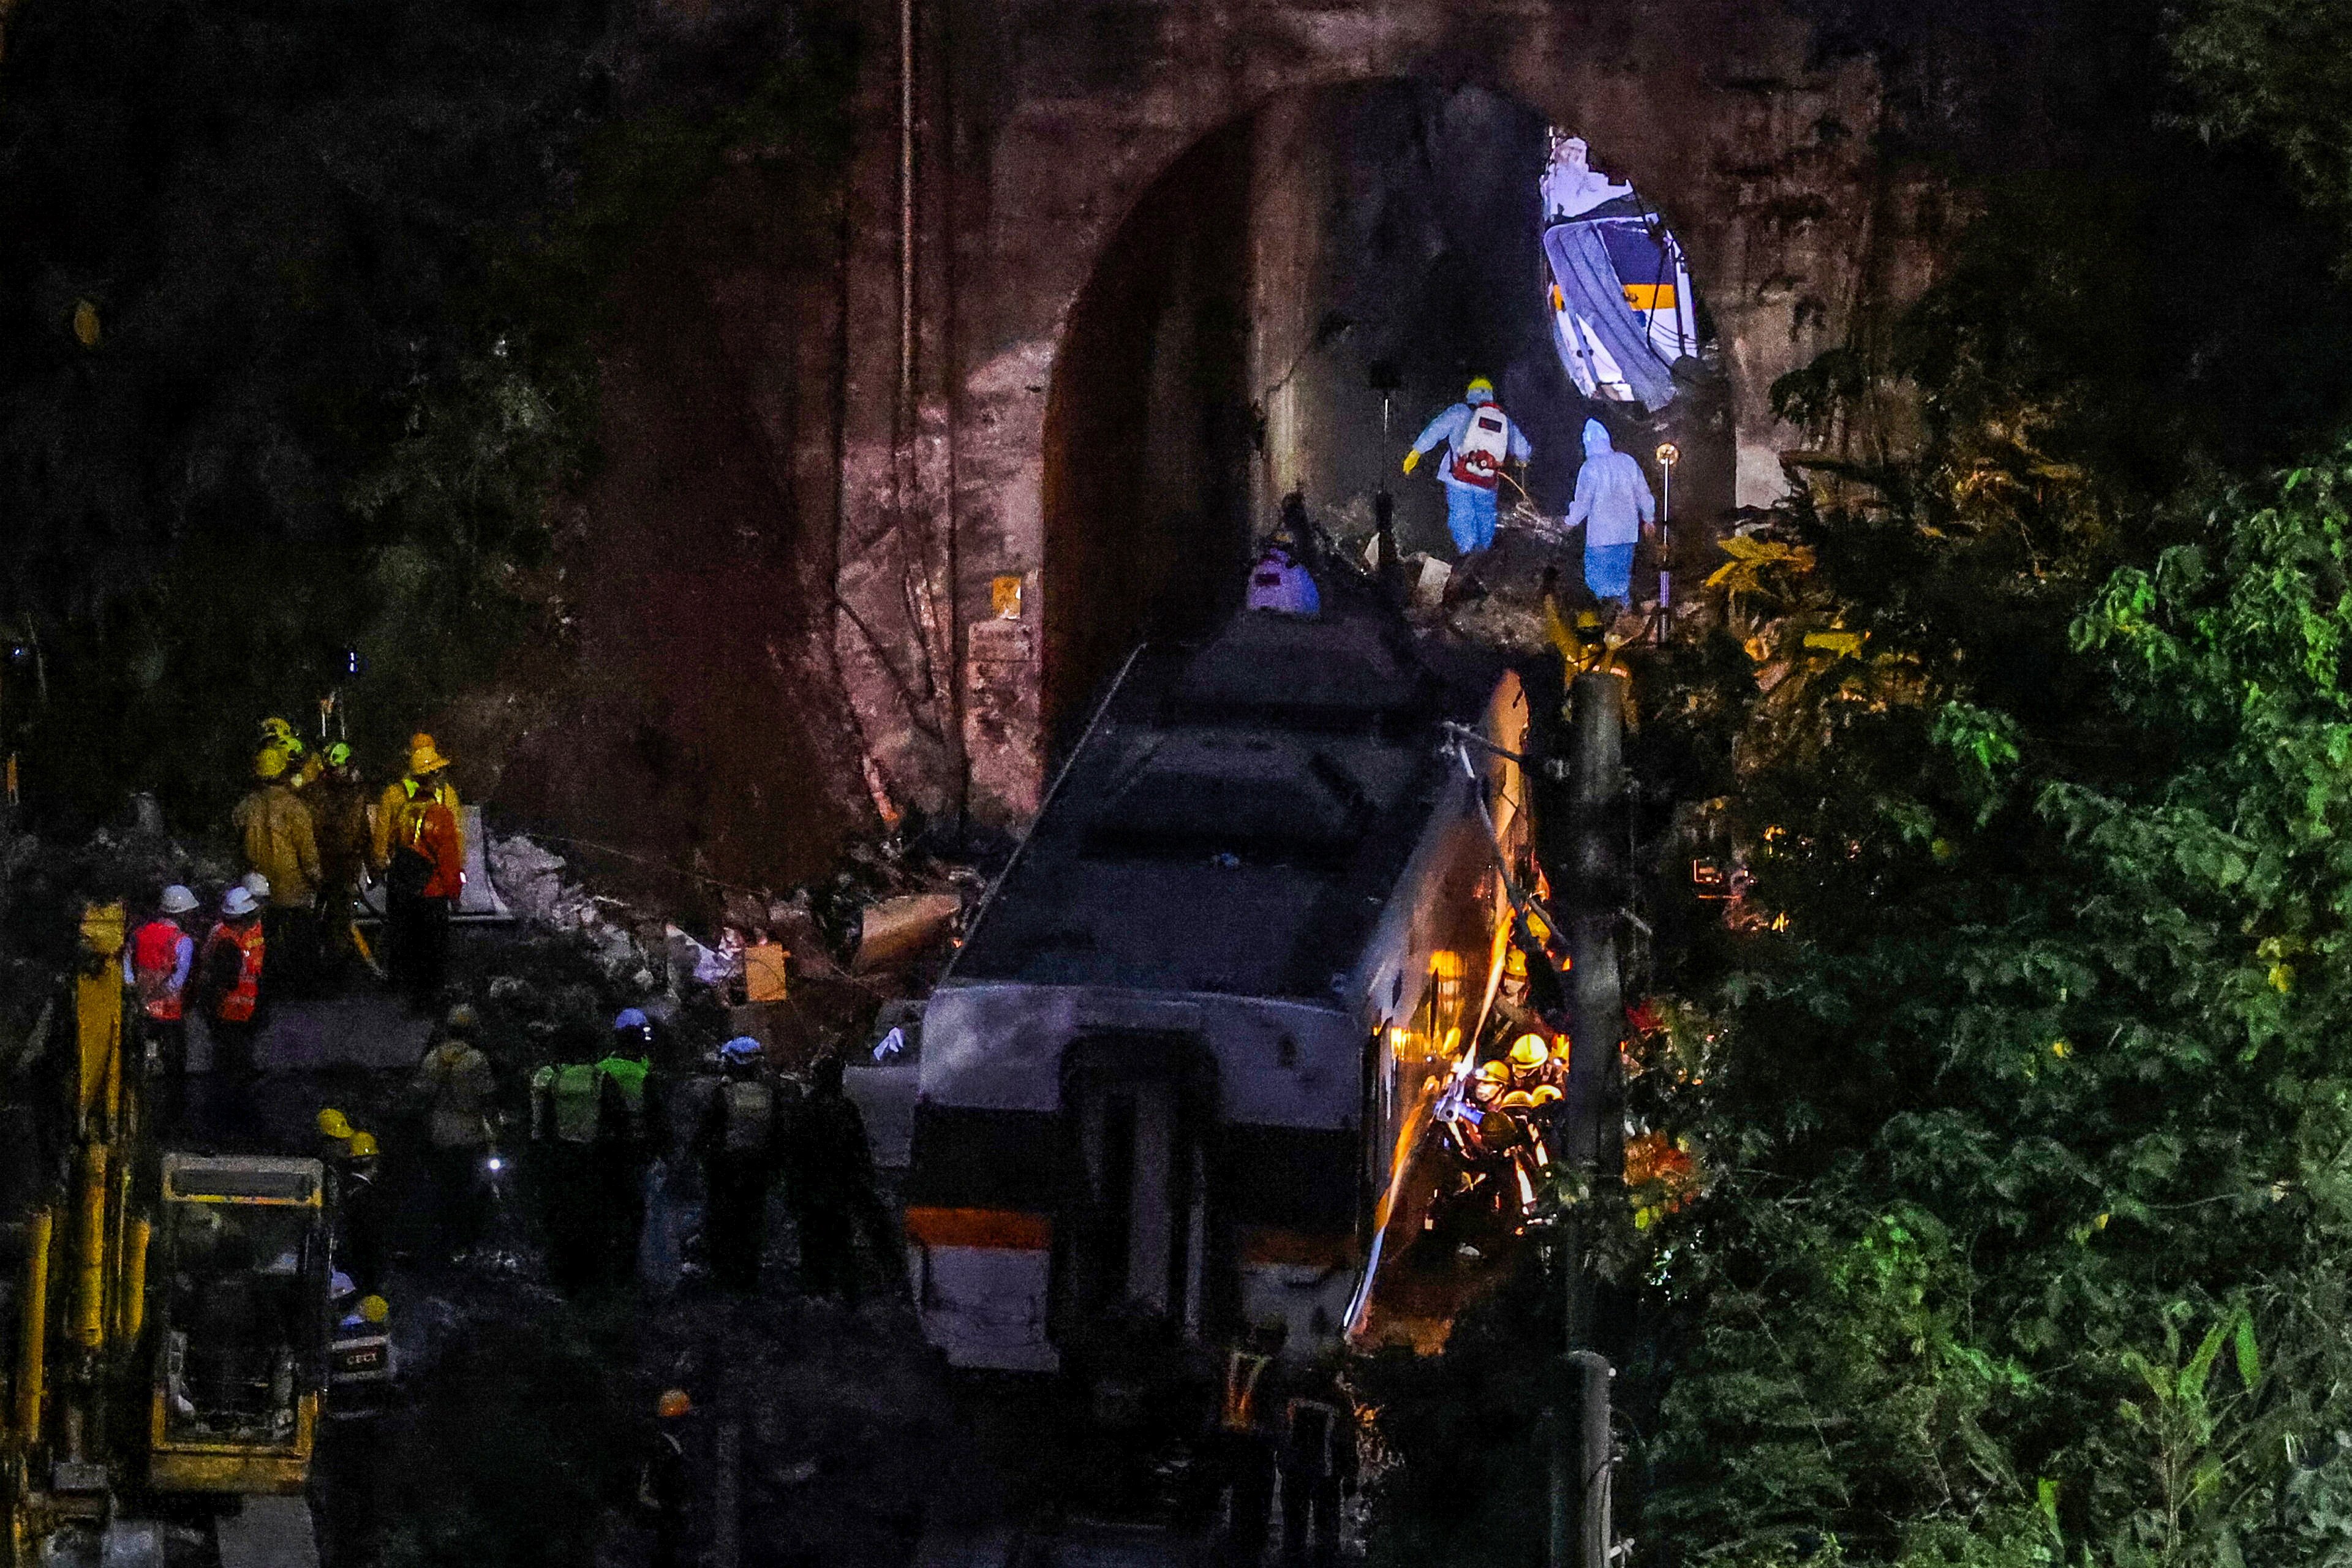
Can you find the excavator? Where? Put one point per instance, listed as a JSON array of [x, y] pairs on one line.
[[165, 1326]]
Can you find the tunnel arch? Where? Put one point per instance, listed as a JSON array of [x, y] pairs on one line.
[[998, 213], [1230, 336]]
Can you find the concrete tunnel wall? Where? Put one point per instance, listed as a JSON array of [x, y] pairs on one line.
[[887, 486]]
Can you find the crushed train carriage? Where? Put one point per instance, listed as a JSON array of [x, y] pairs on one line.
[[1186, 1056]]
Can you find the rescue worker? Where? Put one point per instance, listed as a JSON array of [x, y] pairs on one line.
[[566, 1110], [454, 1087], [1614, 504], [665, 1489], [1317, 1462], [302, 766], [229, 969], [431, 780], [418, 849], [832, 1189], [1246, 1435], [1479, 438], [362, 1211], [624, 1130], [334, 1144], [1571, 186], [1279, 584], [157, 964], [354, 1449], [280, 843], [739, 1141], [339, 817], [1527, 1059]]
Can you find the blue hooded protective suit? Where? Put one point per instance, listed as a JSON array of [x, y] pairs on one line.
[[1469, 507], [1613, 502]]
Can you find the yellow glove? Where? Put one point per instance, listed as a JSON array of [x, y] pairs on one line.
[[1412, 460]]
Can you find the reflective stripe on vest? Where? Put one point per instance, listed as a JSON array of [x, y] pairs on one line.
[[750, 1113], [154, 959], [237, 1006], [1243, 1369]]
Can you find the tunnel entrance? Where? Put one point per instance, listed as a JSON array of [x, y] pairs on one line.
[[1284, 310]]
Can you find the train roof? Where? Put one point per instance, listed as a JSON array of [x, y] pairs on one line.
[[1237, 814]]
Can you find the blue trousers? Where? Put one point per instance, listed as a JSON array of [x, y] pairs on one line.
[[1609, 571], [1469, 516]]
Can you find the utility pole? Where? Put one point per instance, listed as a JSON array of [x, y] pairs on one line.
[[1389, 573], [1594, 880]]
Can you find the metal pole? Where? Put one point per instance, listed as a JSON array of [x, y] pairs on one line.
[[1594, 1124], [1390, 574], [906, 217], [1592, 1374], [1668, 456], [1594, 1129]]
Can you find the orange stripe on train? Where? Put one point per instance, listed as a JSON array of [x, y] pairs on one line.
[[1014, 1229]]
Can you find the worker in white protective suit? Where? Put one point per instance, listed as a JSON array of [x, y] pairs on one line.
[[1479, 438], [1571, 187], [1614, 504]]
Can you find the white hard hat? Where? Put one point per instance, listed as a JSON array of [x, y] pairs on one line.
[[238, 903], [257, 884], [177, 900]]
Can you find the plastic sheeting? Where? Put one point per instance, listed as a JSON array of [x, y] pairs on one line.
[[1599, 330]]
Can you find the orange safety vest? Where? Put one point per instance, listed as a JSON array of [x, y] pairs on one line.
[[154, 959], [237, 1005], [1239, 1410]]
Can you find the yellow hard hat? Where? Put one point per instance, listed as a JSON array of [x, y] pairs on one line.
[[333, 1123], [1495, 1072], [424, 757], [1529, 1052], [374, 1309], [269, 763], [674, 1402], [1518, 1100], [363, 1146], [1542, 1094], [1515, 963], [280, 733], [1479, 383]]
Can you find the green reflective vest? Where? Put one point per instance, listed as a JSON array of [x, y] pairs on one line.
[[628, 1076], [567, 1095]]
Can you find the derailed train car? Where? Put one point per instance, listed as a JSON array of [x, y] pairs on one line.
[[1189, 1046]]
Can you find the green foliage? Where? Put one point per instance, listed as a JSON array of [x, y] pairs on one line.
[[2277, 71], [2030, 1153]]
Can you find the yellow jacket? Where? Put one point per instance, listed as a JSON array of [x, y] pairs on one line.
[[279, 844], [393, 802]]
